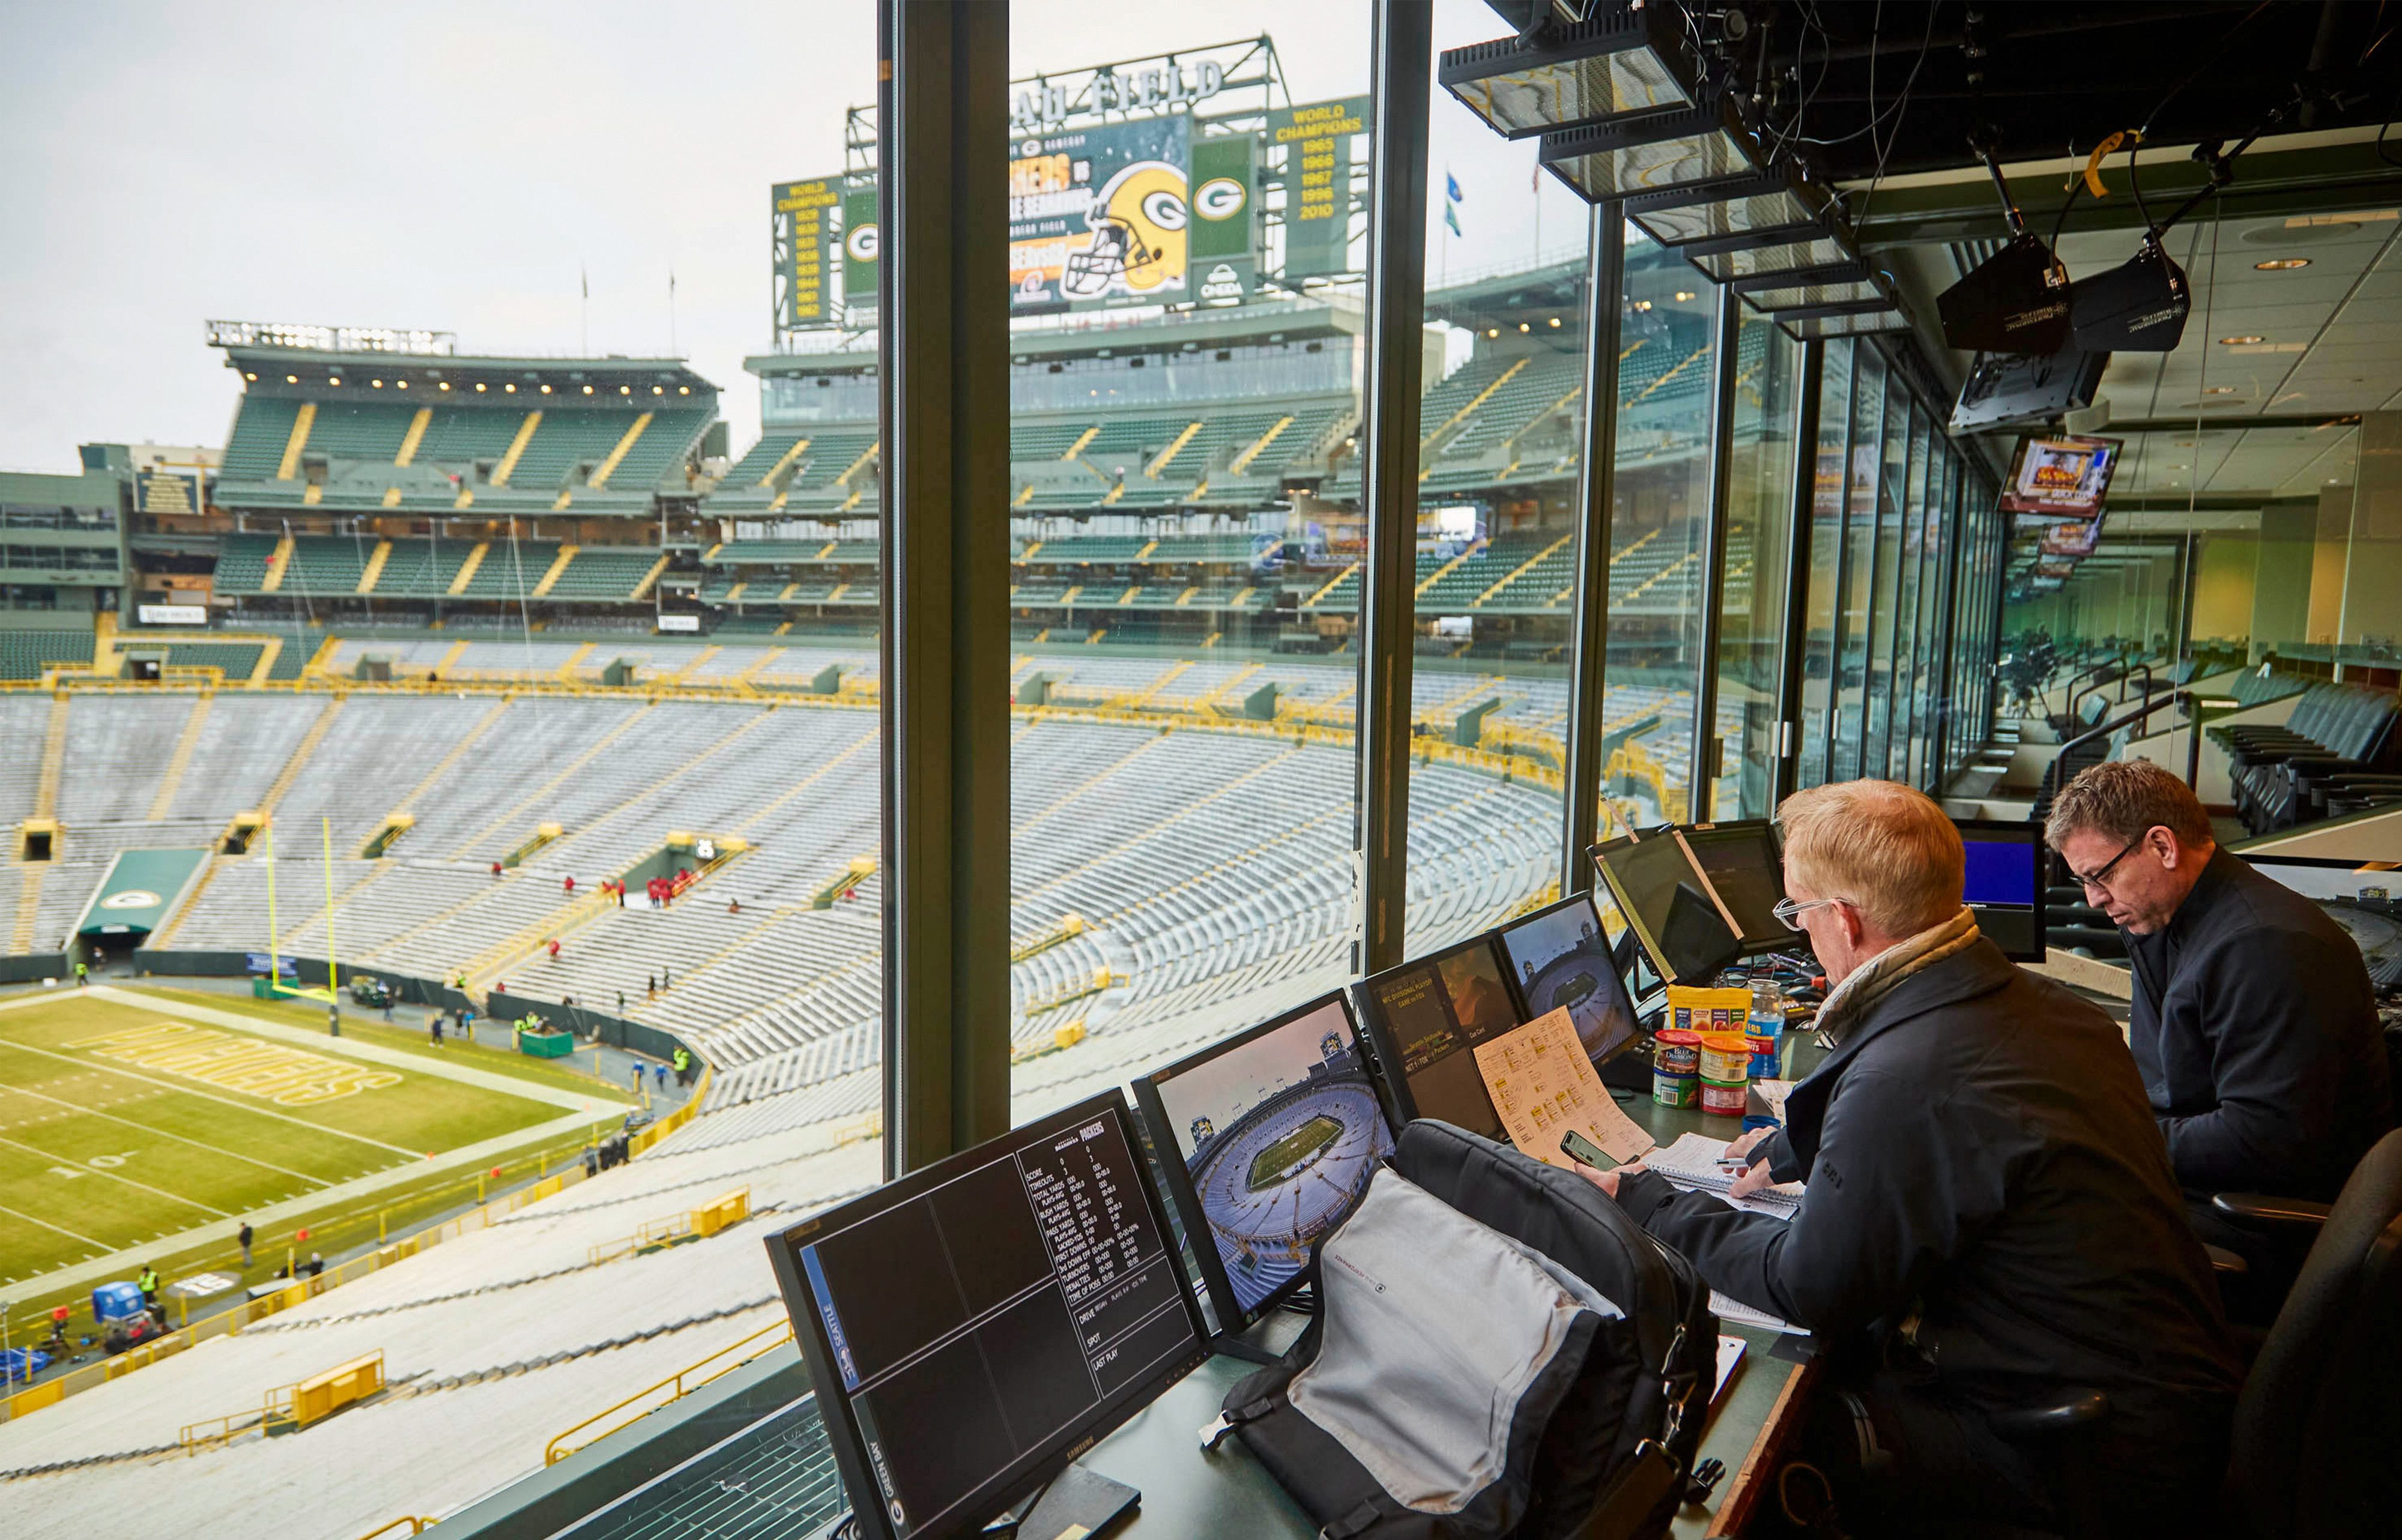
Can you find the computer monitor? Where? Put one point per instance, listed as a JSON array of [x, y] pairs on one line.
[[1274, 1134], [1424, 1017], [1675, 912], [1747, 869], [969, 1325], [1561, 956], [2003, 884]]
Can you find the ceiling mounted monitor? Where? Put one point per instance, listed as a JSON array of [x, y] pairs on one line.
[[2016, 301], [2011, 390], [2060, 475], [1782, 250], [1692, 154], [1568, 75], [1772, 201]]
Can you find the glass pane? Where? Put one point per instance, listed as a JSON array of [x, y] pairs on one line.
[[1857, 566], [1183, 505], [1905, 614], [1885, 583], [1825, 543], [1751, 632], [1657, 531], [1500, 427]]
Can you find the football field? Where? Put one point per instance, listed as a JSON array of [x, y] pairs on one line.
[[127, 1120]]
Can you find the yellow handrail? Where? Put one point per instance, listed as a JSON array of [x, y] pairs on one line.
[[559, 1449], [417, 1525]]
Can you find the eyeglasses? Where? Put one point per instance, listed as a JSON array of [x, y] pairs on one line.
[[2101, 877], [1791, 909]]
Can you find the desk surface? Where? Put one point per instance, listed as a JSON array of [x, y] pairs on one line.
[[1188, 1492]]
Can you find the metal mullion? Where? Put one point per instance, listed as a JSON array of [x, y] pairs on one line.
[[1842, 561], [1706, 746], [943, 361], [1403, 69], [1597, 509], [1802, 504], [1876, 570]]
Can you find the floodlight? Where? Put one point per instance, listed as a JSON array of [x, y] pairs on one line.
[[1688, 156], [1568, 76], [1769, 200]]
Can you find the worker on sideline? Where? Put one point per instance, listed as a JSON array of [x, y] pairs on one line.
[[1990, 1223], [2252, 1021]]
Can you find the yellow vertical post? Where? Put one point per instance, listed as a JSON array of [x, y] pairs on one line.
[[480, 1187], [267, 839], [379, 1218], [333, 967]]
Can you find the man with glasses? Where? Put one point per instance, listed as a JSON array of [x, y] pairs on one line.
[[1990, 1225], [2252, 1018]]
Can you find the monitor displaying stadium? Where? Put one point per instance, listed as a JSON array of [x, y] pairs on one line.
[[2360, 896], [1675, 912], [2060, 475], [1275, 1132], [1746, 868], [1560, 956], [1423, 1018], [2003, 884]]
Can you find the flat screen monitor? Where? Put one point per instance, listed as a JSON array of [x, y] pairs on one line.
[[969, 1325], [1670, 903], [2003, 884], [2071, 538], [1274, 1134], [2060, 475], [1561, 956], [1424, 1017], [1746, 867]]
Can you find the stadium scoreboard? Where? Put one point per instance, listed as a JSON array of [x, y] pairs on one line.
[[1122, 192]]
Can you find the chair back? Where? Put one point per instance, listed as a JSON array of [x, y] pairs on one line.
[[2319, 1419]]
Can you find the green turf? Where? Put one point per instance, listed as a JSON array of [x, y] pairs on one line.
[[1282, 1156], [98, 1154]]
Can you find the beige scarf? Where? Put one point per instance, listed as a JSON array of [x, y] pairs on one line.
[[1876, 978]]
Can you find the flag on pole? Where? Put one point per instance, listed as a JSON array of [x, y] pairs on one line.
[[1450, 189], [1451, 218]]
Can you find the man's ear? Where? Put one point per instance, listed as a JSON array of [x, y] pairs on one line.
[[2162, 842]]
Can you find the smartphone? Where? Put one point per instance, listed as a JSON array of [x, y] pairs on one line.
[[1583, 1151]]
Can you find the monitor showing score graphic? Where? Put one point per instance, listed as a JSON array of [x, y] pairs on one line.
[[1275, 1132], [1423, 1020], [1674, 912], [1559, 957], [969, 1325], [2003, 884], [2060, 475]]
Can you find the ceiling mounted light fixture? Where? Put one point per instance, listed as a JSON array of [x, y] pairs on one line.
[[1567, 74], [2282, 263]]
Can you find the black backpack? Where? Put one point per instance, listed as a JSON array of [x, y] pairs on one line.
[[1599, 1440]]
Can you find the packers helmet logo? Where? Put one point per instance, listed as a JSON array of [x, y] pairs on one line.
[[863, 243], [1139, 222]]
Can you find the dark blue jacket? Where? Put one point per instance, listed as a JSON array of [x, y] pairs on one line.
[[1989, 1203], [2255, 1029]]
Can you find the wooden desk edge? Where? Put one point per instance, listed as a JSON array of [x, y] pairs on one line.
[[1767, 1447]]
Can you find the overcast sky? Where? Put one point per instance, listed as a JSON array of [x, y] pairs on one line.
[[455, 166]]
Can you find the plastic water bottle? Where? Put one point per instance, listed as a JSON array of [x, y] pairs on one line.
[[1765, 1027]]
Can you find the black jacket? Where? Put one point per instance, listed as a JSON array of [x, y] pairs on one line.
[[1989, 1201], [2255, 1029]]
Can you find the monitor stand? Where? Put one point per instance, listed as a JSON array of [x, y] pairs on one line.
[[1078, 1502]]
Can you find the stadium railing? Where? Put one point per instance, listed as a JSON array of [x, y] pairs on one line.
[[674, 1388]]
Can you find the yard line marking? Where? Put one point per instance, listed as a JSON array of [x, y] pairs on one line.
[[188, 1090], [47, 1225], [154, 1192], [95, 1112]]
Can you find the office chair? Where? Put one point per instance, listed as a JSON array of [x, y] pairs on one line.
[[2318, 1418]]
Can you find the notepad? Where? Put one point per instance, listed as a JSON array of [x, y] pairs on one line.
[[1690, 1165]]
